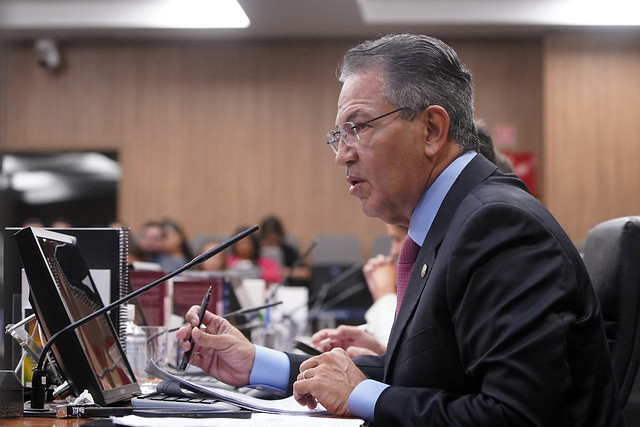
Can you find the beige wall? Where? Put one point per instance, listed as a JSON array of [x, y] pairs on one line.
[[216, 135], [592, 129]]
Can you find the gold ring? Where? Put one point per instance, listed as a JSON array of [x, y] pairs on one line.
[[304, 374]]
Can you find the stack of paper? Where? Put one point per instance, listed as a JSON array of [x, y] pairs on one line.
[[279, 406]]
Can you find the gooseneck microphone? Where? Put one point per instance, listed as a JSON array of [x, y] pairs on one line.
[[39, 380]]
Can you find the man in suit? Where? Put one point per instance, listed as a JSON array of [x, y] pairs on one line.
[[499, 324]]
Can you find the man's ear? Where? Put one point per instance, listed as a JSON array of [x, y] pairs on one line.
[[436, 130]]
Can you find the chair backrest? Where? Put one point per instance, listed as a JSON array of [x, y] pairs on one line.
[[612, 258], [338, 249]]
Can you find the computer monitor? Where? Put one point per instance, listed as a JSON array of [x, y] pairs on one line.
[[105, 250], [62, 292]]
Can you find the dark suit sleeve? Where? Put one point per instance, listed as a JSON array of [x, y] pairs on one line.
[[295, 360], [524, 326], [371, 366]]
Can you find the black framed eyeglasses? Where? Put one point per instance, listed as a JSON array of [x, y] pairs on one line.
[[348, 131]]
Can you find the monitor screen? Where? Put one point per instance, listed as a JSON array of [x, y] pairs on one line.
[[105, 252], [62, 292]]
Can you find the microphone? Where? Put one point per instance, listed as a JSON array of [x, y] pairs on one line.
[[39, 375]]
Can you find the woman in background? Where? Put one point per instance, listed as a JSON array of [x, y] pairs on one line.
[[273, 236], [217, 262], [176, 252], [245, 254]]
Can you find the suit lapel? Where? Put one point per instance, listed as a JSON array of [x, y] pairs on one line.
[[474, 173]]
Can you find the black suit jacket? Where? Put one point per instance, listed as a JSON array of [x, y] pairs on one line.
[[499, 325]]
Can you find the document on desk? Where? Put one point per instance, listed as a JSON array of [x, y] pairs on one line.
[[282, 406], [261, 419]]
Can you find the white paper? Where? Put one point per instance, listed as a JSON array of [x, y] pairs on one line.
[[257, 419], [287, 405]]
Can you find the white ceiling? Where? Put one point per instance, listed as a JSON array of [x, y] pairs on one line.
[[324, 19]]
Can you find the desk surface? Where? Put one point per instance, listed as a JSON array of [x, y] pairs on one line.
[[41, 422]]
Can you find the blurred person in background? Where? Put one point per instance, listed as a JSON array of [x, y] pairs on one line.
[[217, 262], [61, 223], [33, 222], [175, 247], [273, 237], [245, 255], [488, 149], [150, 241]]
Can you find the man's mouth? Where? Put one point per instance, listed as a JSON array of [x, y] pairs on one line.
[[354, 181]]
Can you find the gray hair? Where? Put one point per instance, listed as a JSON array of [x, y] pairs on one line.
[[419, 71]]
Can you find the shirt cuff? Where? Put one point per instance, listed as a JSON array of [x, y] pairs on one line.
[[363, 398], [270, 370]]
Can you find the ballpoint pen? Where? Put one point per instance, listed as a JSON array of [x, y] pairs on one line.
[[203, 308]]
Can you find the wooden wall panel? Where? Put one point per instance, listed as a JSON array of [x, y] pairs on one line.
[[591, 146], [216, 135], [508, 83]]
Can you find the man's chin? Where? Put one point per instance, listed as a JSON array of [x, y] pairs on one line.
[[368, 209], [376, 211]]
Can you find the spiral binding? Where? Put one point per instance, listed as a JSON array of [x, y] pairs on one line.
[[123, 279]]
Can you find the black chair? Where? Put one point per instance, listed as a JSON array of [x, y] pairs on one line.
[[612, 257]]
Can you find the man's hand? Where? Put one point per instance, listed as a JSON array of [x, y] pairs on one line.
[[220, 349], [328, 379], [347, 337]]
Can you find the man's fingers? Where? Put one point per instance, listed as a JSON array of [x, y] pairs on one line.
[[192, 315], [214, 341], [319, 336], [302, 395], [183, 333], [312, 362], [185, 345]]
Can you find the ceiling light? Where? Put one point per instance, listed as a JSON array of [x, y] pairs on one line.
[[122, 14], [598, 12], [198, 14], [501, 12]]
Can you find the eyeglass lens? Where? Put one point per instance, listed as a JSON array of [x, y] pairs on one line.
[[347, 132]]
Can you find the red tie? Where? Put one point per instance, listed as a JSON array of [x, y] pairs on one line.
[[406, 259]]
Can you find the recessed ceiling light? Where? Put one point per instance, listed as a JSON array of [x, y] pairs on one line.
[[122, 14], [502, 12], [198, 14]]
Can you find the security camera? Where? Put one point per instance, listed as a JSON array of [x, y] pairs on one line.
[[48, 54]]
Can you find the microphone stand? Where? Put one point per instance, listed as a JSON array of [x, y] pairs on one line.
[[39, 380], [318, 301], [343, 295], [320, 295]]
